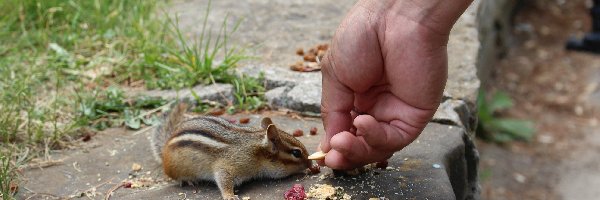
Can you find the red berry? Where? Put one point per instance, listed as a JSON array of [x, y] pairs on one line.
[[313, 131], [298, 133], [295, 193]]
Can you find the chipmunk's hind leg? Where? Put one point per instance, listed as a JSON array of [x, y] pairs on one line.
[[225, 182]]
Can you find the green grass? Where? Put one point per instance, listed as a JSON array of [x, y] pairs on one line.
[[493, 127], [63, 64], [7, 176]]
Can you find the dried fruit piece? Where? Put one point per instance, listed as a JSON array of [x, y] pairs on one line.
[[313, 131], [216, 112], [323, 47], [319, 155], [87, 137], [310, 58], [299, 66], [295, 193], [298, 133], [300, 51], [244, 120], [315, 169]]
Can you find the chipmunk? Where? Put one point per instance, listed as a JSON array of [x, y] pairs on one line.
[[213, 149]]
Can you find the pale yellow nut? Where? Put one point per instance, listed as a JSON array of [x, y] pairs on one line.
[[319, 155]]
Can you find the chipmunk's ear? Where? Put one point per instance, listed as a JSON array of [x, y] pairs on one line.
[[271, 138], [266, 122]]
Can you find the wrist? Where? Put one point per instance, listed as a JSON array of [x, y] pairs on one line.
[[438, 16]]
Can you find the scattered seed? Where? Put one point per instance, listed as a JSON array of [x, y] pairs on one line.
[[319, 155]]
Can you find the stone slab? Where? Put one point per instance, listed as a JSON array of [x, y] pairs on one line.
[[218, 92], [436, 166]]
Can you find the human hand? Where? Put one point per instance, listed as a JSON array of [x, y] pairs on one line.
[[383, 77]]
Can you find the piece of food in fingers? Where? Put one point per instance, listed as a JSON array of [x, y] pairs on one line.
[[319, 155]]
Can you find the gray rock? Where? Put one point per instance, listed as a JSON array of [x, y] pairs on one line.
[[305, 97], [456, 112], [299, 91], [276, 96], [278, 76], [222, 93], [302, 97]]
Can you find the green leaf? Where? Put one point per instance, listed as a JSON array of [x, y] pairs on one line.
[[133, 123], [151, 121], [500, 101], [519, 129]]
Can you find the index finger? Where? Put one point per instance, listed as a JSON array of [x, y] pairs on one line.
[[337, 101]]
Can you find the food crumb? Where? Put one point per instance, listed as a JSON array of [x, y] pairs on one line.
[[326, 191], [136, 167]]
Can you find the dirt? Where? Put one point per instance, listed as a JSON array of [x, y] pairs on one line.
[[558, 90]]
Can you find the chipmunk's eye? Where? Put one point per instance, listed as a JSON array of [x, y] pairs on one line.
[[297, 153]]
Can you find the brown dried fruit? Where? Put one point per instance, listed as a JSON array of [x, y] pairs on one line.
[[313, 131], [244, 120], [298, 133], [299, 66], [310, 58], [323, 47], [321, 53], [216, 112], [87, 137], [300, 51], [382, 164], [315, 169]]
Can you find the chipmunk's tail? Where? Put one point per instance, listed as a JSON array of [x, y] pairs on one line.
[[163, 132]]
